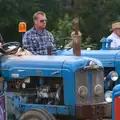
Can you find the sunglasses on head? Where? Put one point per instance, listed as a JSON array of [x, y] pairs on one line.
[[41, 21]]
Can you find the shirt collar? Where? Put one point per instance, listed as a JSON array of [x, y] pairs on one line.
[[40, 32]]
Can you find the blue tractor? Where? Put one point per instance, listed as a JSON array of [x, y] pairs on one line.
[[110, 59], [45, 87], [108, 56]]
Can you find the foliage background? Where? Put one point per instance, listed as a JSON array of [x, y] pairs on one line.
[[96, 17]]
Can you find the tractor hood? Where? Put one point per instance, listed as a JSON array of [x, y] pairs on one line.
[[21, 67], [107, 57]]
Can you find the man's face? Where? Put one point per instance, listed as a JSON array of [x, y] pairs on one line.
[[117, 31], [41, 21]]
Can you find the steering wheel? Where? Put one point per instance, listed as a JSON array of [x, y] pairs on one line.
[[6, 50], [64, 42]]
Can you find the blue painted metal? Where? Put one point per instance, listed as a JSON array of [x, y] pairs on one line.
[[109, 43], [13, 108], [103, 41], [109, 58], [69, 90], [16, 102], [41, 81], [14, 67], [58, 110], [63, 66], [106, 43]]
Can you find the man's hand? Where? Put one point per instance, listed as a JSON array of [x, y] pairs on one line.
[[22, 52], [10, 48]]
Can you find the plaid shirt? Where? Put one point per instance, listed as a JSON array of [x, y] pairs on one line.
[[36, 42]]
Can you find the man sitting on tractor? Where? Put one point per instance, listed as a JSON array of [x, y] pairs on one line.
[[37, 39], [115, 36]]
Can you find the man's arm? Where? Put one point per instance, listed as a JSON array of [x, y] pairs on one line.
[[27, 43], [54, 45]]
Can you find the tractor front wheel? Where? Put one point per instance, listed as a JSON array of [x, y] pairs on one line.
[[37, 114]]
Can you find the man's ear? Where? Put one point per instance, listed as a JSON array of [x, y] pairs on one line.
[[35, 22]]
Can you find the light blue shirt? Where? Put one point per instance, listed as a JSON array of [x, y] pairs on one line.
[[116, 40]]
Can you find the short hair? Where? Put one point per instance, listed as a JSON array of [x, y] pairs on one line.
[[37, 13], [115, 21]]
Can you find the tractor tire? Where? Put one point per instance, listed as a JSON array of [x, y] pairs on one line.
[[37, 114], [51, 117]]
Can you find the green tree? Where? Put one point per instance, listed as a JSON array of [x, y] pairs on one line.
[[14, 11], [96, 17], [63, 30]]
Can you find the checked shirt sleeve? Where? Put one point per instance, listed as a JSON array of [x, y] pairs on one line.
[[27, 43], [54, 45]]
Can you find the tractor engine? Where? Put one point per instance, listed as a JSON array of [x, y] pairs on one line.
[[32, 92], [48, 94]]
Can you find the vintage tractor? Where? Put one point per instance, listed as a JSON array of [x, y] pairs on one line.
[[108, 57], [45, 87]]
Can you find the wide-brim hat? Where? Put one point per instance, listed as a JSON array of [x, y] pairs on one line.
[[115, 26]]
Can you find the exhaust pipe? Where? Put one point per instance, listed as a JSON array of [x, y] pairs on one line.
[[76, 38], [49, 48]]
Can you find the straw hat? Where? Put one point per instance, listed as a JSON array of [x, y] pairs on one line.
[[115, 26]]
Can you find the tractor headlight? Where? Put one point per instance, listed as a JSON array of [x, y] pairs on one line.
[[82, 91], [110, 79], [114, 76], [108, 96], [98, 89]]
